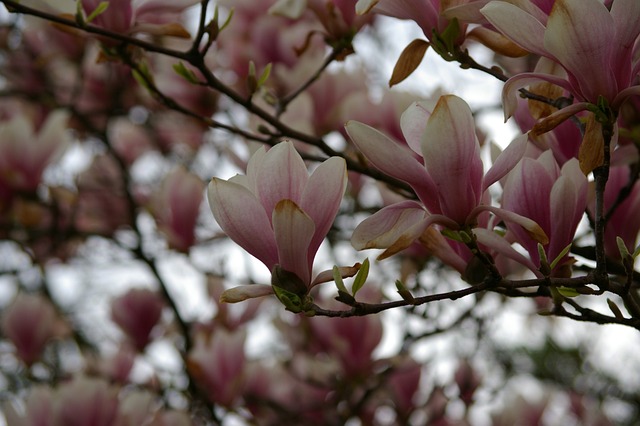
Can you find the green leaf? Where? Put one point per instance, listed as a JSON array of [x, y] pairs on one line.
[[252, 82], [403, 292], [228, 20], [79, 16], [361, 277], [568, 291], [291, 301], [559, 257], [185, 72], [338, 279], [97, 11], [545, 268], [452, 235], [451, 34], [345, 298], [636, 252], [265, 75]]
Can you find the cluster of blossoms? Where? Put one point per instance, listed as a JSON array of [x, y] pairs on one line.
[[130, 108]]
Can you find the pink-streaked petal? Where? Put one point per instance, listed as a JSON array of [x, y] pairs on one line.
[[554, 120], [516, 24], [626, 15], [506, 161], [364, 6], [161, 11], [393, 159], [452, 157], [243, 219], [499, 245], [625, 94], [345, 272], [244, 292], [293, 230], [253, 168], [539, 9], [584, 54], [424, 12], [438, 246], [281, 175], [468, 12], [531, 227], [413, 121], [397, 225], [517, 82], [53, 134], [322, 196], [568, 203]]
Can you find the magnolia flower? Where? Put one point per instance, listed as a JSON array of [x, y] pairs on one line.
[[137, 312], [279, 213], [176, 206], [86, 401], [595, 47], [217, 363], [426, 13], [449, 180], [26, 151], [38, 409], [29, 322], [156, 17], [555, 198]]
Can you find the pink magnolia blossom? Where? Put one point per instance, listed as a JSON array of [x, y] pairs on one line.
[[338, 17], [600, 62], [403, 384], [26, 149], [101, 206], [351, 341], [426, 13], [38, 409], [137, 312], [278, 212], [158, 17], [30, 323], [217, 362], [553, 197], [176, 206], [449, 180], [85, 401]]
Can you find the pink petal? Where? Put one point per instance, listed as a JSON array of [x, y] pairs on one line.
[[626, 15], [517, 82], [499, 245], [413, 121], [243, 219], [534, 230], [395, 226], [506, 161], [625, 94], [584, 54], [345, 272], [452, 156], [568, 202], [393, 159], [293, 230], [518, 25], [322, 196], [281, 174], [244, 292]]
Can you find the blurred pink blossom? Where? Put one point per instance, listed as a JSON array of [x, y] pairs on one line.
[[137, 312]]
